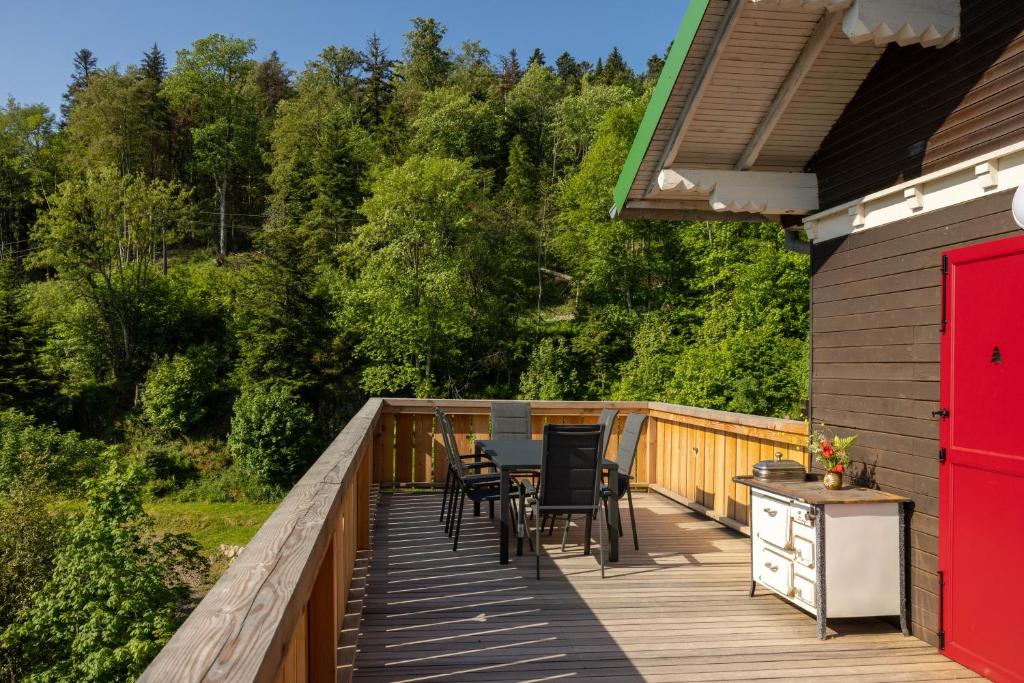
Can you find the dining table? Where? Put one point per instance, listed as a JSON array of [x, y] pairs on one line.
[[524, 457]]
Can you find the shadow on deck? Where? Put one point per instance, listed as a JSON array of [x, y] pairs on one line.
[[677, 610]]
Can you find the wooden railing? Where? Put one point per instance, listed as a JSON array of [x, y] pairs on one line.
[[278, 612]]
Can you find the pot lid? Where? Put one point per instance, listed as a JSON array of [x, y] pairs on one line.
[[778, 465]]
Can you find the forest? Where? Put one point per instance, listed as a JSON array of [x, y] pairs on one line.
[[209, 262]]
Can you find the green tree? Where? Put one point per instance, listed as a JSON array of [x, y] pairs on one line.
[[28, 171], [212, 89], [119, 120], [154, 65], [115, 596], [473, 73], [177, 388], [427, 65], [43, 455], [272, 434], [379, 81], [453, 124], [424, 287], [29, 538], [22, 381], [84, 66], [99, 235]]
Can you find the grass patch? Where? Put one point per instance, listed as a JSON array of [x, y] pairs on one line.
[[211, 524]]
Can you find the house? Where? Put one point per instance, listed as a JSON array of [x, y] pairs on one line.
[[890, 133]]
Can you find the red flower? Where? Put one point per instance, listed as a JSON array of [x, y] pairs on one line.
[[827, 450], [839, 469]]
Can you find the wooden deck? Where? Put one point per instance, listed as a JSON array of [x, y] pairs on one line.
[[677, 610]]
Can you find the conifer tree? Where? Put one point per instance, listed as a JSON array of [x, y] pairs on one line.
[[511, 71], [85, 65], [379, 82], [154, 65], [427, 64], [536, 58], [274, 80]]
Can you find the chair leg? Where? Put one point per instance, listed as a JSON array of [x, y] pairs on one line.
[[632, 519], [551, 531], [565, 531], [457, 495], [586, 534], [490, 505], [458, 524], [536, 540], [602, 523], [444, 496]]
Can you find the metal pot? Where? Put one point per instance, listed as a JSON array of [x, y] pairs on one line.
[[779, 470]]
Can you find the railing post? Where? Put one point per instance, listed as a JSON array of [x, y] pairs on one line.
[[323, 619]]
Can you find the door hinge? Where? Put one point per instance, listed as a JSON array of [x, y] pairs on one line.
[[942, 626], [942, 456], [941, 412]]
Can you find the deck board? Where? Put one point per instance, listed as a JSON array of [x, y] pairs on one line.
[[677, 610]]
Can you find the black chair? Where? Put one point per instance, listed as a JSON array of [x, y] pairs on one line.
[[466, 462], [510, 420], [607, 420], [477, 487], [469, 462], [625, 457], [570, 479]]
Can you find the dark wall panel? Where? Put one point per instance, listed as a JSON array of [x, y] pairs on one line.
[[876, 299], [924, 108]]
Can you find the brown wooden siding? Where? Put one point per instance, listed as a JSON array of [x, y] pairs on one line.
[[875, 371], [921, 109]]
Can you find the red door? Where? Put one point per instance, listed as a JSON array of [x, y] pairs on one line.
[[981, 484]]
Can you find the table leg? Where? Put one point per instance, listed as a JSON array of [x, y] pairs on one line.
[[503, 492], [613, 516], [521, 521]]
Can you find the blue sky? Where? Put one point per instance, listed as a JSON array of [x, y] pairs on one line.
[[38, 39]]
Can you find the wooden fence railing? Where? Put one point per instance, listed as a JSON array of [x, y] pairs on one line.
[[278, 611]]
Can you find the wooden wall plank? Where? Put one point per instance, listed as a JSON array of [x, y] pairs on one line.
[[424, 457], [403, 449]]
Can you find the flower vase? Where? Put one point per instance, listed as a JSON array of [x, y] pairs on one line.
[[833, 481]]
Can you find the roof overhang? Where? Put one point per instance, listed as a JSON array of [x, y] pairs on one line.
[[749, 90]]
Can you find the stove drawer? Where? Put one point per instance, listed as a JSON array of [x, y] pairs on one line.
[[773, 569], [770, 519]]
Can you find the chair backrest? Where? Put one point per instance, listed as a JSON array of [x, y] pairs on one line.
[[444, 425], [628, 443], [607, 420], [510, 420], [571, 466]]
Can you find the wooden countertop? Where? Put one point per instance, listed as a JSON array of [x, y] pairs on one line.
[[815, 493]]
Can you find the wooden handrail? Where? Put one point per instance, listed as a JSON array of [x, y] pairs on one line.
[[242, 629], [276, 614]]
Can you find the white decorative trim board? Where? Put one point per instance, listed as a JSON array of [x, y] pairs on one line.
[[987, 174]]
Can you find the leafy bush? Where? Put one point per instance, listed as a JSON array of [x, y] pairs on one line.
[[271, 434], [115, 596], [29, 536], [168, 467], [43, 453], [234, 484], [177, 388]]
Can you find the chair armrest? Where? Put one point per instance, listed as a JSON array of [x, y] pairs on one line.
[[477, 465]]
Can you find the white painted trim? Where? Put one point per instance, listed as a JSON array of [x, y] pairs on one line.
[[987, 174], [759, 192]]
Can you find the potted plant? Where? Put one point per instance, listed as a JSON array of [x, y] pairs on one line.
[[832, 452]]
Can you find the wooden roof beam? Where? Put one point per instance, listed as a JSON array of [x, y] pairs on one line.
[[729, 21], [815, 44]]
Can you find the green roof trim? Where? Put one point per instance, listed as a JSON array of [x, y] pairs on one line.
[[659, 99]]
